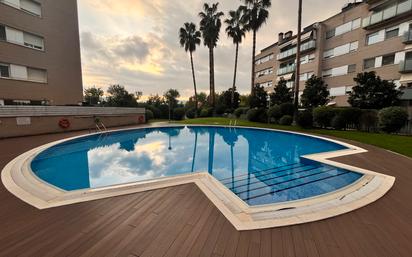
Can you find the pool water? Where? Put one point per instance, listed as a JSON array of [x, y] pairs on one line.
[[259, 166]]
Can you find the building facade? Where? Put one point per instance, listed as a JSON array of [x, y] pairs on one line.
[[39, 53], [374, 35]]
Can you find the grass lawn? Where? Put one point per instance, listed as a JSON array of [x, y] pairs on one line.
[[395, 143]]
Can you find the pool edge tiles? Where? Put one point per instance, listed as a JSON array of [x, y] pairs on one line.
[[20, 180]]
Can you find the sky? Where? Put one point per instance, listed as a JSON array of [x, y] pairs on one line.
[[135, 43]]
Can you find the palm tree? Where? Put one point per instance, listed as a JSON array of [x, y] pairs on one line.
[[297, 72], [210, 25], [255, 16], [189, 38], [235, 29]]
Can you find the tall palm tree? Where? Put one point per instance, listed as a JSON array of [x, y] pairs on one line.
[[235, 29], [297, 71], [210, 25], [189, 38], [255, 16]]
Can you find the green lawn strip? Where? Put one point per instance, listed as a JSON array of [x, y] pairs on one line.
[[395, 143]]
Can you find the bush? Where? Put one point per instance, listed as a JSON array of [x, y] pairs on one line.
[[350, 116], [191, 113], [274, 113], [253, 115], [220, 109], [149, 115], [392, 119], [286, 120], [241, 110], [206, 112], [305, 119], [164, 111], [156, 112], [287, 109], [323, 116], [179, 113], [369, 120], [338, 122]]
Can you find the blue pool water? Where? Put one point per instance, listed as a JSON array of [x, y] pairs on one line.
[[259, 166]]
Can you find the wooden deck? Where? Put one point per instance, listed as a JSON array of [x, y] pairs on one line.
[[181, 221]]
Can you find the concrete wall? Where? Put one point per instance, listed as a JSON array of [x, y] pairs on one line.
[[14, 122]]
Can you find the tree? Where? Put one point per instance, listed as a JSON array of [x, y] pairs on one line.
[[155, 100], [259, 98], [171, 96], [235, 29], [189, 38], [210, 25], [230, 99], [120, 97], [92, 95], [297, 71], [256, 14], [282, 94], [371, 92], [316, 93]]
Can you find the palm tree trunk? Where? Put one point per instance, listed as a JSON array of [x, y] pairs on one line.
[[194, 152], [253, 63], [212, 76], [234, 76], [194, 83], [297, 72]]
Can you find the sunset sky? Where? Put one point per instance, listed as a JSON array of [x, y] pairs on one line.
[[135, 43]]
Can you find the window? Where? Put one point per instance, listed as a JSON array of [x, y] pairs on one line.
[[353, 46], [2, 32], [388, 59], [327, 73], [392, 32], [352, 68], [33, 41], [265, 59], [4, 70], [372, 38], [31, 6], [14, 36], [330, 34], [369, 63], [328, 54], [36, 75]]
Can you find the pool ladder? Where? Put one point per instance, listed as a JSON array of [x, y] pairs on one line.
[[234, 123]]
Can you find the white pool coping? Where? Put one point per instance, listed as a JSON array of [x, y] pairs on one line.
[[20, 180]]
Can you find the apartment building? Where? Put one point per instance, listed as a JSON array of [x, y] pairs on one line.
[[374, 35], [39, 53]]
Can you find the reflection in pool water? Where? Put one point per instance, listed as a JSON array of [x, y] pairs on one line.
[[259, 166]]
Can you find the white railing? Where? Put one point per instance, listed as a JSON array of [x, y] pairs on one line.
[[387, 13]]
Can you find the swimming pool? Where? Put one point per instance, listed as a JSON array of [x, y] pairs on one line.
[[259, 166]]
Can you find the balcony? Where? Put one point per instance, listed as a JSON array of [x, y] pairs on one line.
[[405, 66], [388, 13], [407, 37], [286, 70], [292, 52]]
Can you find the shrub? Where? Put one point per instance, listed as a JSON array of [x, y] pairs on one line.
[[239, 111], [206, 112], [149, 115], [274, 113], [338, 122], [286, 120], [392, 119], [287, 109], [263, 115], [156, 112], [164, 111], [179, 113], [350, 116], [369, 120], [305, 119], [191, 113], [323, 116], [220, 109], [253, 115]]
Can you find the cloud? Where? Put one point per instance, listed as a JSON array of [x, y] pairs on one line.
[[135, 43]]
